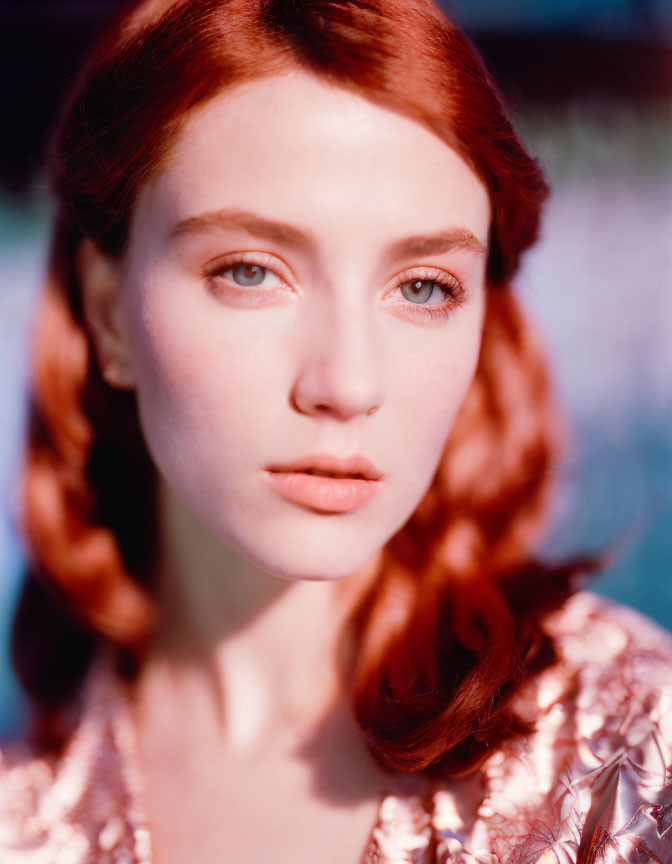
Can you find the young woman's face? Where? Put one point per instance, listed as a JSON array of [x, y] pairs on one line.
[[306, 276]]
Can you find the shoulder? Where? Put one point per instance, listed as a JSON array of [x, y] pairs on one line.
[[80, 805], [588, 622], [610, 692], [27, 780], [590, 782], [613, 673], [616, 659]]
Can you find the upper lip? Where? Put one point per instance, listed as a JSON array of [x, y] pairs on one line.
[[349, 466]]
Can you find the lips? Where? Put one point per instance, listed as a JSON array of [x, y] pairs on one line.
[[326, 483], [326, 465]]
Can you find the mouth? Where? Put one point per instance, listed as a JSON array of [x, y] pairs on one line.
[[326, 488], [317, 473], [355, 467]]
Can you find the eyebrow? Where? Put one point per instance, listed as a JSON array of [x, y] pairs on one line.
[[290, 235]]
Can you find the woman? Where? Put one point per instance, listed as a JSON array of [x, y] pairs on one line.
[[283, 248]]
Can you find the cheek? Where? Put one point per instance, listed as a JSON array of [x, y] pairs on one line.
[[199, 385], [433, 382], [429, 380], [424, 421]]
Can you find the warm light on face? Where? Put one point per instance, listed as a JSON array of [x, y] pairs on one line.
[[306, 276]]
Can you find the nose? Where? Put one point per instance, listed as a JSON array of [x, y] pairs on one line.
[[339, 371]]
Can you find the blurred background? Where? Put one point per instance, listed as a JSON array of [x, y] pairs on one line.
[[590, 86]]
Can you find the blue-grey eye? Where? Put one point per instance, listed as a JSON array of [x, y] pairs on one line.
[[418, 289], [248, 274]]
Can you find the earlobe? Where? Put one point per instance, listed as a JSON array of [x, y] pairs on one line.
[[99, 278]]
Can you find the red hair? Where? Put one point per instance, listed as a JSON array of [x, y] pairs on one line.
[[451, 623]]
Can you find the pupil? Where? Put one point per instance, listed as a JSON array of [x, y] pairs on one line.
[[418, 288], [248, 274]]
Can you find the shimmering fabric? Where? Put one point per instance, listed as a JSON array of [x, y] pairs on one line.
[[593, 783]]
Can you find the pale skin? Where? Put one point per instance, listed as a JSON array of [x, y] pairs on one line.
[[328, 352]]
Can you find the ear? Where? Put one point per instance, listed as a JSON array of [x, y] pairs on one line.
[[100, 280]]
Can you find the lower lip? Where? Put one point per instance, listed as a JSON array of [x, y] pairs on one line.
[[327, 494]]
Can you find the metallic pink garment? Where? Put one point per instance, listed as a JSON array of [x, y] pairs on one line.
[[592, 784]]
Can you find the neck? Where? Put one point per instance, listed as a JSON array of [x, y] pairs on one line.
[[254, 655]]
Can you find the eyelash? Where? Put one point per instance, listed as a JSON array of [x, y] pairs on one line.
[[451, 287], [448, 283]]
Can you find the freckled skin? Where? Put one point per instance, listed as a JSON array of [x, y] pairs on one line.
[[229, 383]]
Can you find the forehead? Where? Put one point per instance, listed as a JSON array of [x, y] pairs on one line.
[[297, 148]]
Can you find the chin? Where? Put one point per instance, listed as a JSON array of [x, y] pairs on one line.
[[311, 562]]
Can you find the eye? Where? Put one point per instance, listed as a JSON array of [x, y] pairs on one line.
[[427, 283], [420, 290], [247, 274], [242, 271]]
